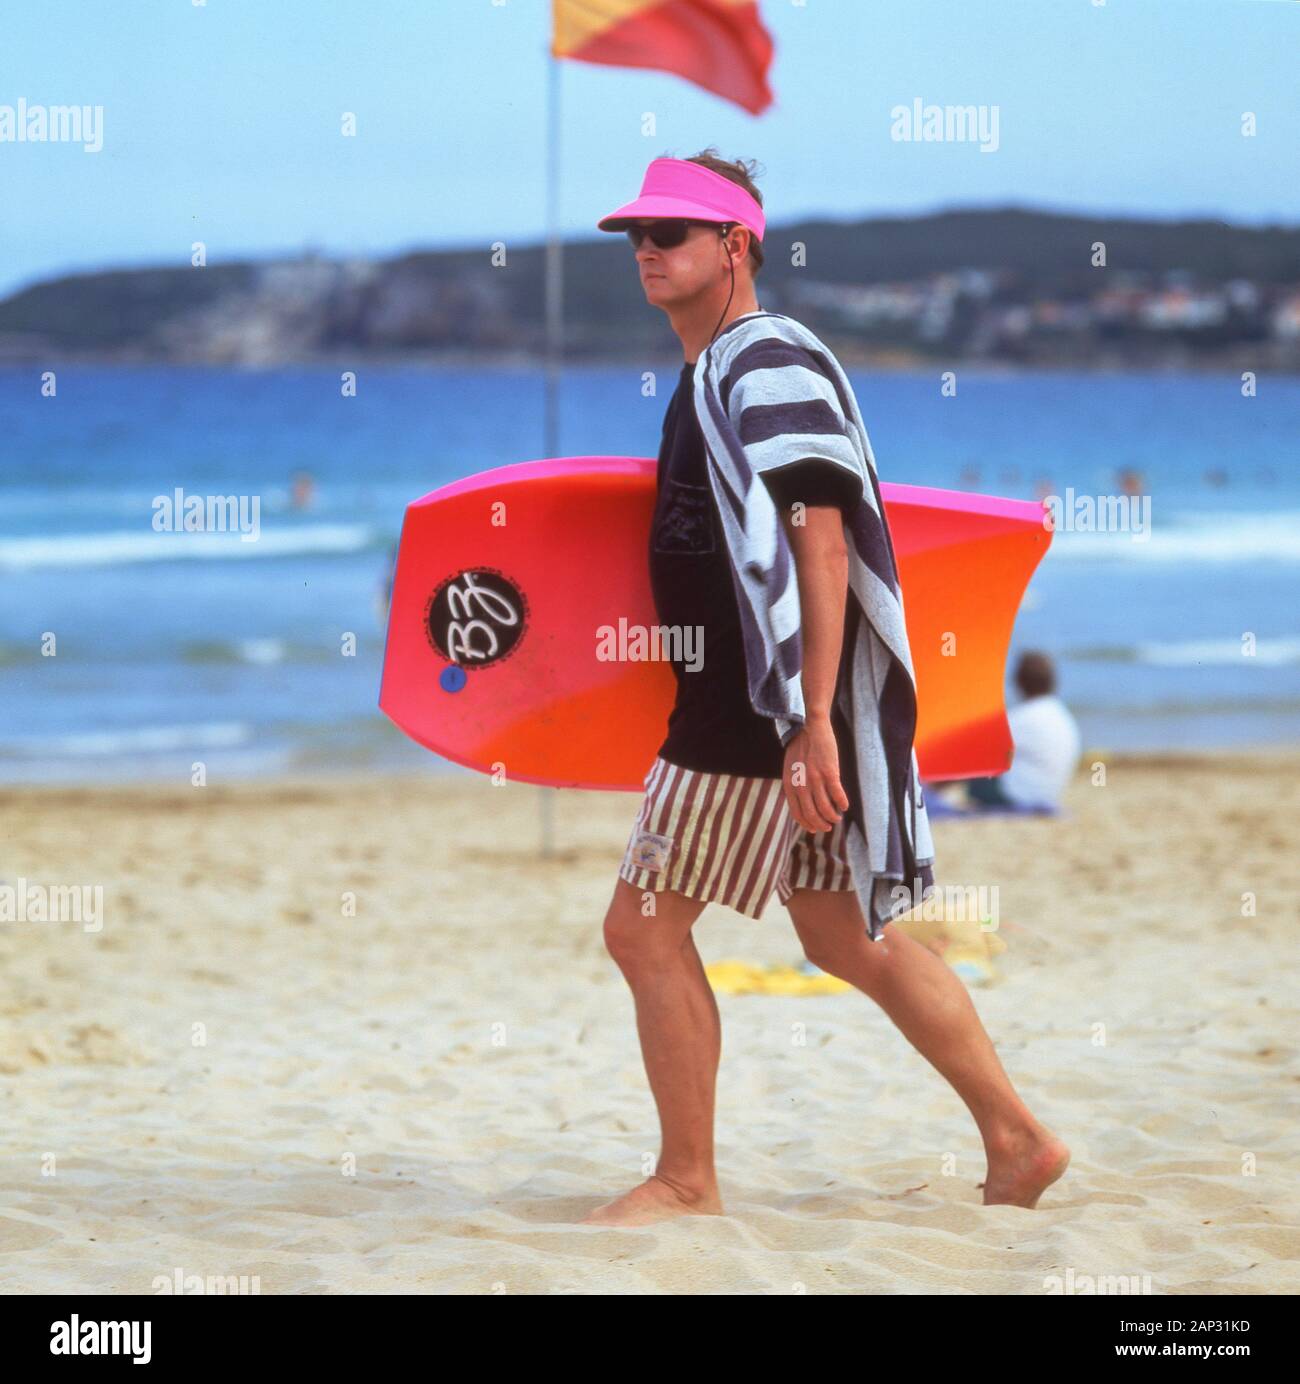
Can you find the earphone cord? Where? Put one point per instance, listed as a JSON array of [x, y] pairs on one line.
[[731, 264]]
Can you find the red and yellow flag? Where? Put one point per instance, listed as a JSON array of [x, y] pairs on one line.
[[720, 45]]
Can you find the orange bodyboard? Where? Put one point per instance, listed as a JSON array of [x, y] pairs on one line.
[[516, 592]]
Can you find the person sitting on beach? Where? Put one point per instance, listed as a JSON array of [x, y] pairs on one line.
[[1046, 740]]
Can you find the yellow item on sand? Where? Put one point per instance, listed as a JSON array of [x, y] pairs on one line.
[[962, 943], [747, 978]]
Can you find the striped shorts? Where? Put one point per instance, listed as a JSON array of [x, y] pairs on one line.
[[726, 839]]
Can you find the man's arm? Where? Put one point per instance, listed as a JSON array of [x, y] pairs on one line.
[[815, 528], [821, 561], [783, 403]]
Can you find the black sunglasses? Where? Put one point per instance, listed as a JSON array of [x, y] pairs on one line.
[[670, 232]]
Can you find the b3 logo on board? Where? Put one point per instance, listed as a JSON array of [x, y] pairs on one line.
[[476, 617]]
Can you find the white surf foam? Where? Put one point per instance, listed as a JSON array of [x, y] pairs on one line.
[[111, 549]]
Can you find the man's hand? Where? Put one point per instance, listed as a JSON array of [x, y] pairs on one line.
[[811, 777]]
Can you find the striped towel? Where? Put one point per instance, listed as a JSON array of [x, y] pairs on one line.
[[768, 393]]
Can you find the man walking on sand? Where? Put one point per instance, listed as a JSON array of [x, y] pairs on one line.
[[788, 762]]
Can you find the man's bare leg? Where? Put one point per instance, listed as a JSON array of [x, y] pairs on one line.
[[681, 1043], [930, 1006]]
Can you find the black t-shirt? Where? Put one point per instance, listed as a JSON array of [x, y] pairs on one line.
[[713, 727]]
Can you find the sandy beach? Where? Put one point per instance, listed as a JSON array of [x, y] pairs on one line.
[[240, 1073]]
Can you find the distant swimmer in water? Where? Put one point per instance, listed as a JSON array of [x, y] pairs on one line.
[[1131, 481], [304, 490], [384, 591]]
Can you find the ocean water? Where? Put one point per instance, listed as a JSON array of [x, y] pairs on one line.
[[126, 653]]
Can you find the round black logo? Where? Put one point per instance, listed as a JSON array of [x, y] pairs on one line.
[[476, 617]]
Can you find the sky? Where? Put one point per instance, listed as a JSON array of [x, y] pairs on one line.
[[222, 120]]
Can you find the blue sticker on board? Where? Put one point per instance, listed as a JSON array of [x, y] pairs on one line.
[[452, 679]]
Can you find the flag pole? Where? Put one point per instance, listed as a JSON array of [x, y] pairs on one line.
[[554, 262], [554, 336]]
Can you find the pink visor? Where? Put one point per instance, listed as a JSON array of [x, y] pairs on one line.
[[676, 187]]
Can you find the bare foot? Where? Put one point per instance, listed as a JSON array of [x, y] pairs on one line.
[[1021, 1170], [654, 1200]]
